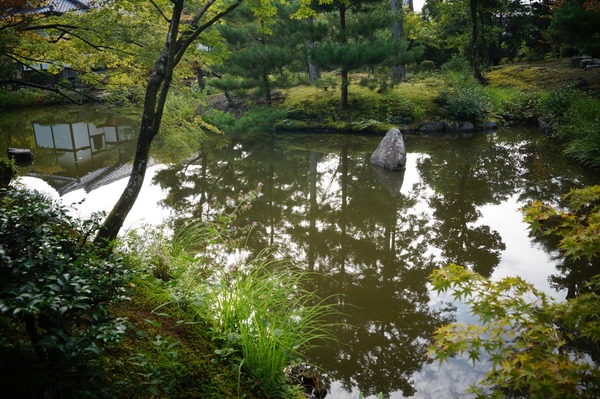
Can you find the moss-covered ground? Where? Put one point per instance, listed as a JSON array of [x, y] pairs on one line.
[[418, 99], [167, 351], [544, 76]]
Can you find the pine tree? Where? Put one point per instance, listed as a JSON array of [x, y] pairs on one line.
[[360, 36], [257, 54]]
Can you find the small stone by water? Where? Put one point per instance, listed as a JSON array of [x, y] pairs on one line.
[[391, 153]]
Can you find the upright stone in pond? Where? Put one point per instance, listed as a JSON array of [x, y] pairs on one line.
[[390, 154]]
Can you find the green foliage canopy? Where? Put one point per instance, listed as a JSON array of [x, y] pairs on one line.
[[575, 22]]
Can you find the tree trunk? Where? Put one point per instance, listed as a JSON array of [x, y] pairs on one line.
[[154, 102], [266, 84], [398, 70], [344, 104], [157, 90], [344, 69], [475, 40], [313, 70]]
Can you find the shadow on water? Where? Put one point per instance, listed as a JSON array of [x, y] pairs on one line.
[[373, 237]]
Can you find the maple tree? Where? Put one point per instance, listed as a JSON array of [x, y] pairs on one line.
[[537, 346]]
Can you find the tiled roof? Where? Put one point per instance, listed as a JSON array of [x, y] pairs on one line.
[[62, 6], [56, 6]]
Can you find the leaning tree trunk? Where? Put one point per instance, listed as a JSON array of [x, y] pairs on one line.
[[154, 104]]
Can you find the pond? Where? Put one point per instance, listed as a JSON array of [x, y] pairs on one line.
[[372, 236]]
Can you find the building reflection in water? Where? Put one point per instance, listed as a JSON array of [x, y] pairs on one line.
[[88, 155]]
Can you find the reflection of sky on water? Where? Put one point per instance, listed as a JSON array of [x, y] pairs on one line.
[[434, 381], [145, 211], [537, 266]]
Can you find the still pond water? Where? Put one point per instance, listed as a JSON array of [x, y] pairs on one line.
[[373, 236]]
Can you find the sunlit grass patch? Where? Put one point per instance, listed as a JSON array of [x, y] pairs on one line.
[[264, 318], [403, 104]]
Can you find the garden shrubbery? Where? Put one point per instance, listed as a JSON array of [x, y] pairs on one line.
[[56, 291], [515, 106], [575, 119]]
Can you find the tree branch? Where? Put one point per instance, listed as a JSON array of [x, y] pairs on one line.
[[201, 12], [184, 42], [47, 88], [86, 41], [162, 14]]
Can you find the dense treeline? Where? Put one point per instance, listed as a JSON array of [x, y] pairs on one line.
[[283, 45]]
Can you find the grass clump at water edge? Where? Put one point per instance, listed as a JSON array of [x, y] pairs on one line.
[[257, 309], [263, 319]]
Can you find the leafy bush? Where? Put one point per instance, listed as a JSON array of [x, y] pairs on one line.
[[468, 103], [576, 120], [457, 64], [558, 102], [464, 97], [581, 130], [256, 120], [259, 120], [54, 285], [516, 105], [427, 66], [26, 97], [8, 170]]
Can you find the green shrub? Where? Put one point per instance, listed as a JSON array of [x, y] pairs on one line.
[[557, 103], [580, 128], [256, 120], [427, 66], [55, 287], [515, 105], [259, 120], [370, 83], [575, 119], [26, 97], [8, 170], [469, 103], [457, 64], [464, 97]]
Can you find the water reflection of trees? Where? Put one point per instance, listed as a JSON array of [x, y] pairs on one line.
[[324, 207], [545, 176], [330, 212], [478, 173]]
